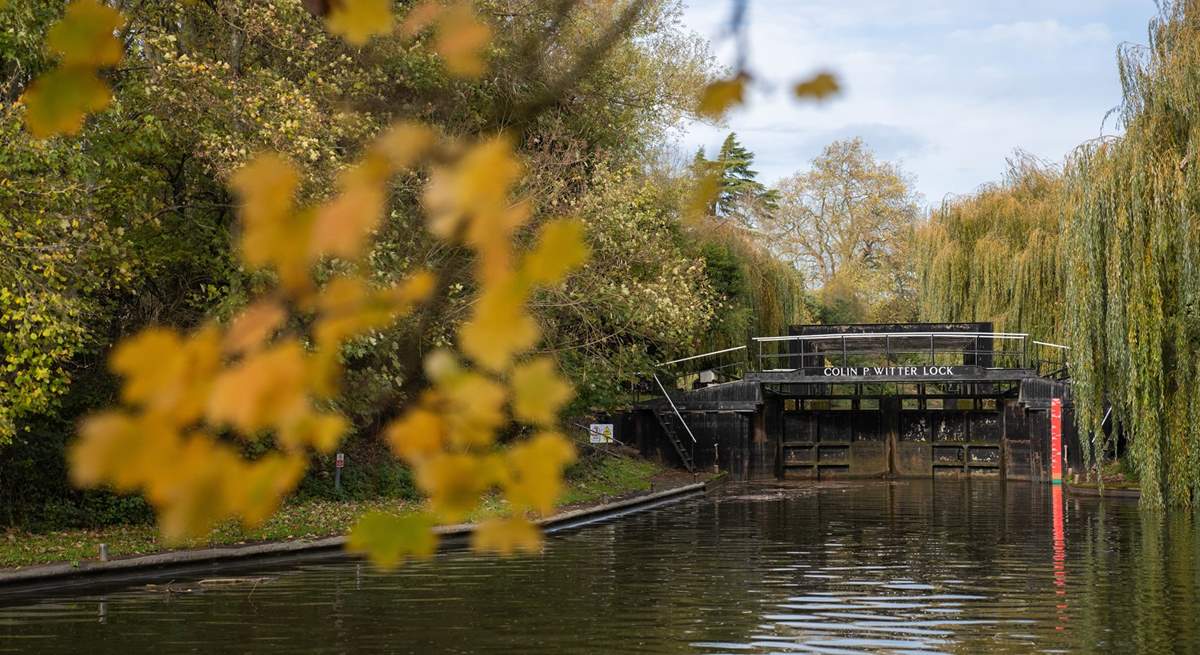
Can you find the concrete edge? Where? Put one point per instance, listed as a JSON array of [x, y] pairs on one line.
[[1108, 492], [44, 577]]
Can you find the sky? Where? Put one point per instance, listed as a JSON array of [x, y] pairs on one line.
[[946, 88]]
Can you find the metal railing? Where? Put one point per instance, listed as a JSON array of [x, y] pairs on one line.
[[675, 409], [723, 365], [992, 350]]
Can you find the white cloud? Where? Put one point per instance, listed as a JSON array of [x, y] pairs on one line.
[[1043, 34], [950, 87]]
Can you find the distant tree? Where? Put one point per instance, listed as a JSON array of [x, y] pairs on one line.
[[847, 223], [739, 197]]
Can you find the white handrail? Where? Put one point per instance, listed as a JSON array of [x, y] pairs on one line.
[[894, 335], [688, 359], [673, 407], [1052, 345]]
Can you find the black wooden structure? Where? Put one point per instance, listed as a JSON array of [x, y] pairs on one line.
[[901, 400]]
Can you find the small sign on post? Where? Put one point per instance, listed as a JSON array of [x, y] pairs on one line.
[[339, 462], [600, 432]]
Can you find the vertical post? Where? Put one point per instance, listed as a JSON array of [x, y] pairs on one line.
[[932, 352], [1056, 445], [845, 359], [339, 462]]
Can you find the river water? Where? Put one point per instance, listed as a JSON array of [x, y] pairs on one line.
[[903, 567]]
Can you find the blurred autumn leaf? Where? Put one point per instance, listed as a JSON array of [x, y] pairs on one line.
[[817, 87], [718, 97], [388, 540], [84, 41], [357, 21]]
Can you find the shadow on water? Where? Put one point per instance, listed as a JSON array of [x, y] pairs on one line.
[[913, 566]]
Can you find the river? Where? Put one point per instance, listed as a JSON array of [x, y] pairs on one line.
[[901, 567]]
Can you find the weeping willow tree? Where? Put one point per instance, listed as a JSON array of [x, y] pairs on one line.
[[758, 293], [1133, 263], [994, 255]]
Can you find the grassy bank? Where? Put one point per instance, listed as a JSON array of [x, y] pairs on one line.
[[1117, 474], [594, 480]]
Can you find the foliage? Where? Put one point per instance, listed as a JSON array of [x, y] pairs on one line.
[[995, 255], [757, 294], [1132, 244], [847, 224], [257, 323], [1102, 256], [181, 392], [739, 195]]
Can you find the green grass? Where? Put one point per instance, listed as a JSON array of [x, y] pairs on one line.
[[608, 478], [593, 480], [1117, 474], [308, 519]]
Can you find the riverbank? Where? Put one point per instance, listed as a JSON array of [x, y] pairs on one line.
[[605, 480]]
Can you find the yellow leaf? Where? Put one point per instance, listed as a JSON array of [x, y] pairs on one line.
[[343, 224], [322, 432], [404, 143], [819, 86], [272, 234], [267, 187], [499, 329], [535, 467], [84, 35], [474, 409], [57, 101], [454, 482], [506, 536], [264, 389], [703, 194], [167, 374], [116, 449], [191, 495], [258, 490], [538, 392], [416, 288], [254, 326], [146, 361], [420, 17], [416, 436], [343, 295], [560, 249], [718, 97], [388, 540], [441, 365], [477, 186], [359, 20], [461, 39], [349, 308]]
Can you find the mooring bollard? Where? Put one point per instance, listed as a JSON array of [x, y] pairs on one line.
[[103, 552]]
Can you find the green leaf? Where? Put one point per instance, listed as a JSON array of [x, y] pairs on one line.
[[387, 540]]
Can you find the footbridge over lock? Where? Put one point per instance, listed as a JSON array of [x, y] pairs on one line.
[[898, 400]]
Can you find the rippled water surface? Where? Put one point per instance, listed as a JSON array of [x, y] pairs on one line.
[[906, 567]]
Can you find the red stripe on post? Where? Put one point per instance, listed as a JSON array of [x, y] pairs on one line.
[[1056, 452]]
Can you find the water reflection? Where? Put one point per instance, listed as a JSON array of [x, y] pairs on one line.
[[907, 567]]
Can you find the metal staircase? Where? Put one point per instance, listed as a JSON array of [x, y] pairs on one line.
[[672, 422]]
